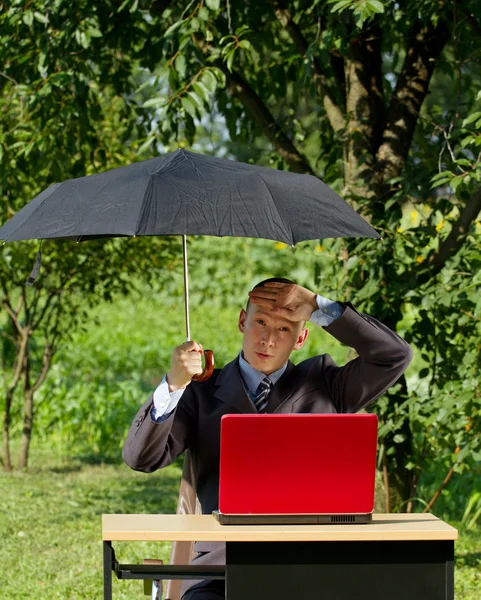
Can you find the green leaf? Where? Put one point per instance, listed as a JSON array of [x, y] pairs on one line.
[[180, 65], [377, 7], [189, 106], [456, 181], [213, 4], [202, 91], [230, 59], [241, 30], [123, 5], [203, 13], [146, 145], [28, 18], [157, 102], [195, 24], [341, 5], [174, 27], [464, 162], [446, 178], [40, 17], [466, 141], [472, 117], [209, 80], [197, 100], [245, 44], [94, 32]]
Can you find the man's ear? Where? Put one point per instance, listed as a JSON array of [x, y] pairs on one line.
[[242, 320], [301, 339]]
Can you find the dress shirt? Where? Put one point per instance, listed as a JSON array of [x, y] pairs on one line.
[[252, 377], [165, 401]]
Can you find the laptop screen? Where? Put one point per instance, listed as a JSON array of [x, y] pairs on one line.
[[297, 464]]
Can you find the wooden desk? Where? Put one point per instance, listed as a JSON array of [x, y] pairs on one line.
[[396, 557]]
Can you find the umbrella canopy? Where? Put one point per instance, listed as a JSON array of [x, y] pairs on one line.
[[187, 193]]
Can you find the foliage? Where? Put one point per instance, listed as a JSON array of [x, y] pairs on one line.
[[62, 117], [387, 115]]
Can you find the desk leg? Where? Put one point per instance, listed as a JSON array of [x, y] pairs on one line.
[[340, 570], [109, 557]]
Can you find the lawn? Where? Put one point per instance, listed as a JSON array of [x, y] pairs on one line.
[[50, 527]]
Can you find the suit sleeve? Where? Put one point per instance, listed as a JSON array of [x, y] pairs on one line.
[[152, 445], [382, 358]]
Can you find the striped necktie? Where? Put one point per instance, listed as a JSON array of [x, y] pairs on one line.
[[262, 394]]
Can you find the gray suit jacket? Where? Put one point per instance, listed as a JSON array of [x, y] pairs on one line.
[[316, 385]]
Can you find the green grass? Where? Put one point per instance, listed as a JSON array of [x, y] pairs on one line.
[[50, 528]]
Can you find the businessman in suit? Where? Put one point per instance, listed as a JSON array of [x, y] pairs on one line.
[[186, 414]]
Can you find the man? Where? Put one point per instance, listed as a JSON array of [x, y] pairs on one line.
[[186, 414]]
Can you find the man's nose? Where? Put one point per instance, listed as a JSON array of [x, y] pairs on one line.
[[268, 338]]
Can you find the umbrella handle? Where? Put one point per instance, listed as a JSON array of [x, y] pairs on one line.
[[208, 369]]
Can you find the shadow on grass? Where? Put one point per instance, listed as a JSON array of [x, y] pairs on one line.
[[94, 459], [472, 559], [151, 494]]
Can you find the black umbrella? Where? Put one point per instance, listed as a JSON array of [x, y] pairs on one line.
[[188, 194]]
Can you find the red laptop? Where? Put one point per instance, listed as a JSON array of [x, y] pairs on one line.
[[297, 468]]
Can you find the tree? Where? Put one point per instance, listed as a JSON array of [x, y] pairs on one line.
[[62, 116]]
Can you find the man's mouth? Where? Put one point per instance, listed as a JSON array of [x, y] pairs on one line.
[[262, 355]]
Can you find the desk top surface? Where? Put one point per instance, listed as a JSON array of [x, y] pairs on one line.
[[205, 528]]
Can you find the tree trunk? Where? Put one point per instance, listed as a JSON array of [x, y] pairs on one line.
[[27, 414], [7, 459], [27, 429]]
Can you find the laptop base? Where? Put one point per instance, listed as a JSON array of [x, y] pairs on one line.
[[291, 519]]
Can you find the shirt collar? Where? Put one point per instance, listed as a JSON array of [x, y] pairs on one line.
[[252, 377]]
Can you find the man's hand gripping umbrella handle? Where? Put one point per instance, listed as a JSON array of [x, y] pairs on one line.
[[208, 368]]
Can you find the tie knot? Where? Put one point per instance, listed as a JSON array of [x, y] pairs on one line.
[[264, 385]]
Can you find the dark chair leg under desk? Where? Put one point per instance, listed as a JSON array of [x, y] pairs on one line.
[[394, 570]]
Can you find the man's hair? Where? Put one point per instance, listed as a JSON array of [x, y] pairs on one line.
[[264, 281]]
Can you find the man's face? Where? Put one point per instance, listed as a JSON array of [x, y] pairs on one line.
[[269, 339]]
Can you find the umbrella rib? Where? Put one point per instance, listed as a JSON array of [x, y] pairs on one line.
[[277, 211]]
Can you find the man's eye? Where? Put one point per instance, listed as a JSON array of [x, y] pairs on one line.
[[284, 329]]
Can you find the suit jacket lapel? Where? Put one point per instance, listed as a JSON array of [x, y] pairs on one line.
[[231, 388], [284, 388]]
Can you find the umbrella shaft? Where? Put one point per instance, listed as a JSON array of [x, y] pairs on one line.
[[186, 288]]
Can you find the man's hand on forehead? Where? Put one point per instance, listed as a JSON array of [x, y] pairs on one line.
[[287, 300]]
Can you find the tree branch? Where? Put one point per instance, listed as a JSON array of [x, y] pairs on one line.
[[46, 306], [439, 490], [11, 313], [239, 87], [334, 113], [457, 234], [425, 45], [472, 22], [46, 360], [20, 360], [451, 244]]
